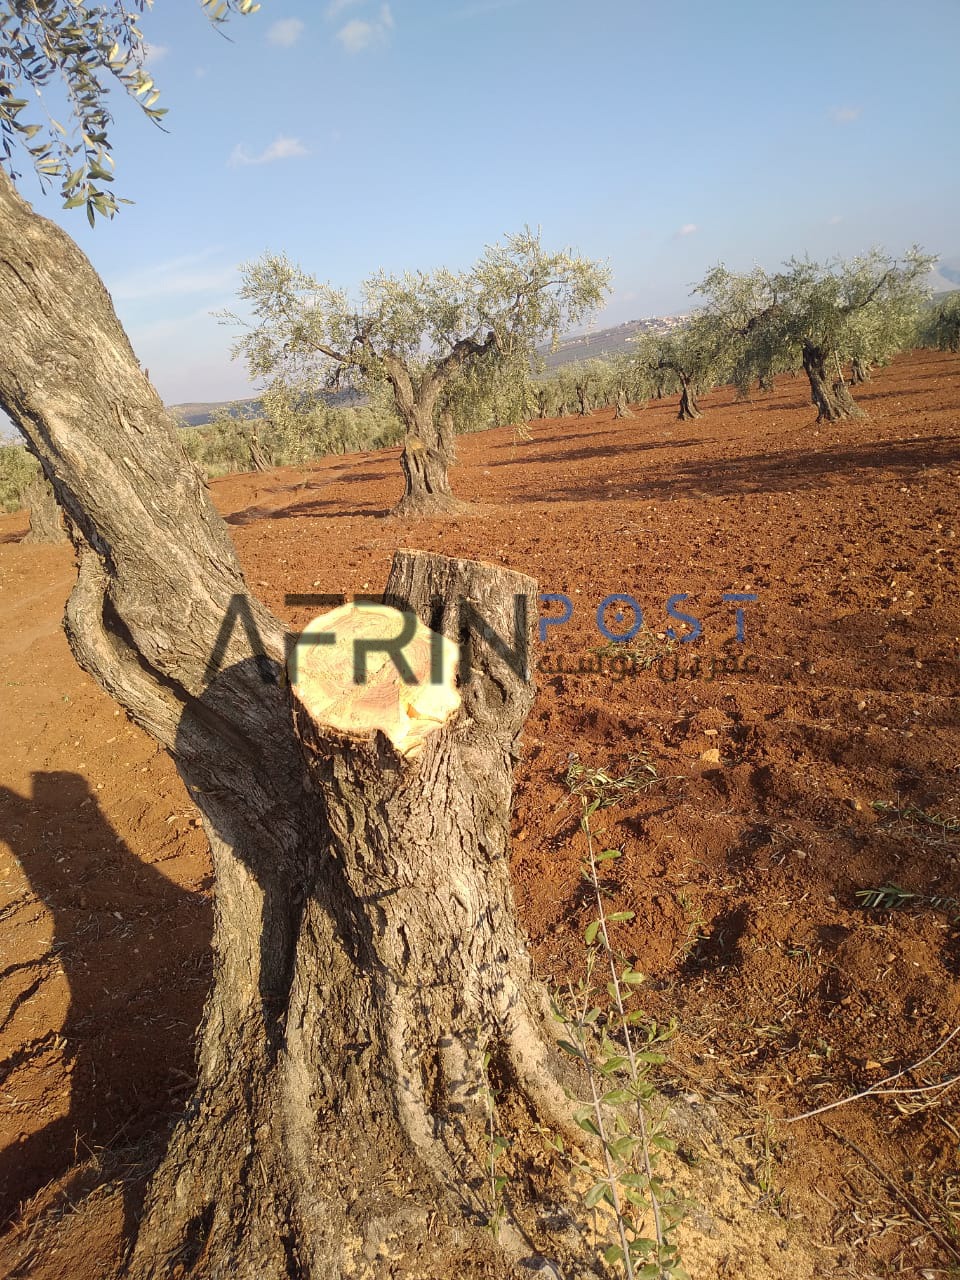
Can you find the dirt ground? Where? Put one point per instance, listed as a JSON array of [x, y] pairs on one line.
[[814, 759]]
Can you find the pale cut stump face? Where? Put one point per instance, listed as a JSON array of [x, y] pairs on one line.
[[323, 676]]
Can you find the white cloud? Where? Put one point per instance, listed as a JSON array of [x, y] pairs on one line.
[[481, 8], [845, 115], [286, 32], [175, 278], [154, 53], [834, 219], [336, 7], [687, 229], [280, 149], [358, 35]]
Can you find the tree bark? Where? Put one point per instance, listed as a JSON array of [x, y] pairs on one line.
[[448, 436], [765, 382], [427, 489], [623, 409], [583, 400], [258, 459], [833, 400], [367, 956], [688, 404], [426, 455], [46, 518], [860, 371]]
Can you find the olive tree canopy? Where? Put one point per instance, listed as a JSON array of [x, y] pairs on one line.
[[821, 315], [418, 332]]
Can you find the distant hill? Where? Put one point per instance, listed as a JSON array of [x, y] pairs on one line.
[[199, 412], [583, 346], [607, 342]]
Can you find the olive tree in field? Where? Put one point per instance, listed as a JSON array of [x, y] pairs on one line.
[[695, 354], [940, 325], [369, 971], [820, 315], [625, 386], [418, 333]]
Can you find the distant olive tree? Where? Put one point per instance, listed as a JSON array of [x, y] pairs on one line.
[[694, 356], [939, 326], [419, 333], [820, 315], [18, 471]]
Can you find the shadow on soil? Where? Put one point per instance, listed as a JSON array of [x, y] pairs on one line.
[[133, 949], [770, 473], [321, 506]]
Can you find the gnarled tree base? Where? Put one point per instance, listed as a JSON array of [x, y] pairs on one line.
[[689, 409], [427, 489], [350, 1129], [623, 409], [833, 400], [431, 504]]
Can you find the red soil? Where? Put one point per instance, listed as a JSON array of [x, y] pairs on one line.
[[742, 861]]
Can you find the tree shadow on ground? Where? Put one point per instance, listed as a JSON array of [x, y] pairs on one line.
[[133, 949], [618, 449], [772, 473], [320, 506]]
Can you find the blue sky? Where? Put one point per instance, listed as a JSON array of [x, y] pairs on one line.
[[357, 134]]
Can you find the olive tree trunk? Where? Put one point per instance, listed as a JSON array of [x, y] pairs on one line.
[[859, 371], [832, 399], [258, 458], [623, 409], [428, 448], [46, 518], [689, 408], [367, 958]]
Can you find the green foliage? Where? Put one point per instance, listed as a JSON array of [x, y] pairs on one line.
[[18, 470], [864, 307], [891, 897], [699, 354], [603, 788], [498, 393], [912, 813], [619, 1048], [83, 50], [939, 325], [420, 332], [292, 434]]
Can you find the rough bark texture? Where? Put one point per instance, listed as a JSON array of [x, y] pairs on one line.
[[46, 518], [623, 409], [860, 371], [426, 452], [366, 950], [258, 459], [833, 400], [688, 405]]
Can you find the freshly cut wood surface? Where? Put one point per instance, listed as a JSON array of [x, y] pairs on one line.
[[324, 676]]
